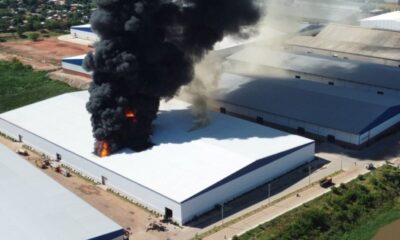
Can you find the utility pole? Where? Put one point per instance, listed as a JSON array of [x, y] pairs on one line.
[[222, 214], [269, 192], [341, 161], [309, 174]]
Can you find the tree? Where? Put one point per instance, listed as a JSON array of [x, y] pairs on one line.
[[20, 32], [33, 36]]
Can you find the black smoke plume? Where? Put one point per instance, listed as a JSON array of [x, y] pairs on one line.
[[146, 52]]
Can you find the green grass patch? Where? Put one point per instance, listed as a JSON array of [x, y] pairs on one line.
[[370, 228], [343, 213], [20, 85]]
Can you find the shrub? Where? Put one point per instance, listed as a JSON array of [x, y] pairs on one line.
[[335, 190], [33, 36]]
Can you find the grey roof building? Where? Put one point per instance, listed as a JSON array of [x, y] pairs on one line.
[[358, 43], [362, 75], [34, 206], [348, 115]]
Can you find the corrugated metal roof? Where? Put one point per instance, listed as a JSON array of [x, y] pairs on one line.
[[347, 70], [395, 16], [353, 40], [34, 206], [355, 34], [315, 10], [194, 160], [344, 109]]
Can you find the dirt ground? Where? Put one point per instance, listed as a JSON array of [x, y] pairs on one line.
[[122, 212], [45, 54], [72, 80]]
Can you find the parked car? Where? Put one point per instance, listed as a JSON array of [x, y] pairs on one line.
[[370, 166], [326, 182]]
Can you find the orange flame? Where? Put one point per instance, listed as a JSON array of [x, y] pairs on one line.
[[129, 114], [104, 149]]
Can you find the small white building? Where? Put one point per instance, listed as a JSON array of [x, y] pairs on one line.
[[386, 21], [350, 116], [84, 32], [34, 206], [74, 64], [184, 175]]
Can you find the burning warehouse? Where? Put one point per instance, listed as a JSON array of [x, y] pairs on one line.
[[184, 174], [146, 53]]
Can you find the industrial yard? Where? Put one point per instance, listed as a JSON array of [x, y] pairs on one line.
[[45, 54]]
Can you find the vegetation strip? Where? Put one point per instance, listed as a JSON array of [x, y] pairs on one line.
[[339, 213], [20, 85]]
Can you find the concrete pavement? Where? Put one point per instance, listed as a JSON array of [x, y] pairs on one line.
[[281, 207]]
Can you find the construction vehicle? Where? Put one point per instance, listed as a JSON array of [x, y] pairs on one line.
[[22, 152], [41, 164]]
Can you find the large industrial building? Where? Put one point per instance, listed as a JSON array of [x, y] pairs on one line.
[[352, 42], [34, 206], [185, 174], [379, 79], [315, 11], [346, 115], [387, 21], [74, 64], [84, 32]]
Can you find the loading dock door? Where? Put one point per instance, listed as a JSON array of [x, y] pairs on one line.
[[168, 214]]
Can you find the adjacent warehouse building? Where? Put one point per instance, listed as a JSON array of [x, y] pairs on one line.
[[74, 64], [349, 116], [185, 174], [376, 78], [352, 42], [34, 206], [387, 21], [84, 32]]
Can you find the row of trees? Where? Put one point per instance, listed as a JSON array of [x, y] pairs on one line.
[[34, 15]]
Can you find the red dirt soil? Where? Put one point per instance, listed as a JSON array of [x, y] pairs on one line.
[[48, 52]]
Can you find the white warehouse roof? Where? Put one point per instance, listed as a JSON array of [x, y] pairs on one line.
[[341, 69], [34, 206], [392, 16], [83, 27], [389, 21], [339, 108], [194, 161]]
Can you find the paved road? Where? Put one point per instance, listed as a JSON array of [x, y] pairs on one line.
[[283, 206]]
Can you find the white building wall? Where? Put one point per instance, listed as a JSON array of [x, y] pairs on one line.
[[239, 186], [344, 82], [293, 123], [135, 191], [90, 36], [380, 128]]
